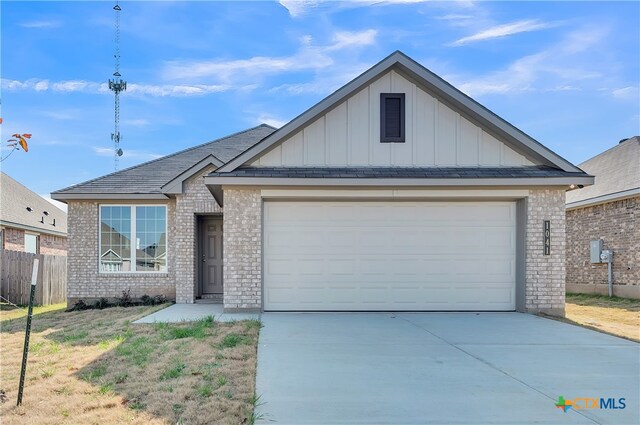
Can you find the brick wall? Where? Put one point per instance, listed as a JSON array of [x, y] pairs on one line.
[[196, 199], [13, 239], [545, 274], [616, 224], [49, 244], [53, 245], [82, 264], [242, 250]]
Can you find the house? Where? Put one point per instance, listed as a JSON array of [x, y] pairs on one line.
[[29, 222], [397, 192], [608, 210]]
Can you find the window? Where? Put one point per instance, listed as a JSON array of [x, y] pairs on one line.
[[133, 238], [392, 117], [31, 243]]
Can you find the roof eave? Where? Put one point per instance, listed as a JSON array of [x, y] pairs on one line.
[[610, 197], [566, 181], [64, 197]]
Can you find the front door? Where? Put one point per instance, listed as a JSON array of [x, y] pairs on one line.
[[211, 256]]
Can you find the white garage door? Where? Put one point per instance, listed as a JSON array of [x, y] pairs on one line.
[[389, 256]]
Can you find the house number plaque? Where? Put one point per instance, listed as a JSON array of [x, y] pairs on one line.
[[547, 237]]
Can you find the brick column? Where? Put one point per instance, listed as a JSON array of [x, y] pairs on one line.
[[242, 250], [545, 274]]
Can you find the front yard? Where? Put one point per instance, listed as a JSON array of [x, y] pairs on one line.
[[95, 366], [615, 316]]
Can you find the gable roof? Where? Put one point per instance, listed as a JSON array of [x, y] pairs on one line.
[[617, 172], [14, 200], [146, 181], [512, 136]]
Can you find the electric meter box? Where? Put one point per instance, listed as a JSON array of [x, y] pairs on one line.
[[596, 250]]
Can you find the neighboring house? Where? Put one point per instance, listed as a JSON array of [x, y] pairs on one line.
[[396, 192], [608, 210], [29, 222]]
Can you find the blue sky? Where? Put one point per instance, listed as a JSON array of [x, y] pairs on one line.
[[567, 73]]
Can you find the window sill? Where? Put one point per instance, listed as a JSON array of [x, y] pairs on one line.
[[133, 274]]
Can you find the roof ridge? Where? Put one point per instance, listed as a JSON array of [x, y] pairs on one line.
[[165, 157], [623, 142]]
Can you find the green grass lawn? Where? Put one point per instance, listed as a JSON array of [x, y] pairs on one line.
[[95, 366]]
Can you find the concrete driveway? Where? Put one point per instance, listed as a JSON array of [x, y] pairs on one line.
[[441, 368]]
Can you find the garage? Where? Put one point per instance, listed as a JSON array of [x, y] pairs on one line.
[[389, 256]]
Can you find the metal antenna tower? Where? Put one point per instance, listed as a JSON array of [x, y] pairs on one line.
[[116, 86]]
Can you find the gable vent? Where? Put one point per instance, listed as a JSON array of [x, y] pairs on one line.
[[392, 117]]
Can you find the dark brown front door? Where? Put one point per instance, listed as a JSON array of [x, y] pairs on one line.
[[211, 255]]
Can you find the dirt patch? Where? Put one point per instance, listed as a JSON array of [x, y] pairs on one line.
[[615, 316], [95, 366]]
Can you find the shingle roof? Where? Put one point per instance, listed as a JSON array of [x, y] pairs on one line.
[[397, 172], [149, 177], [14, 200], [616, 170]]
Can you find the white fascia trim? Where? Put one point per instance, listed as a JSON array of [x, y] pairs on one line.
[[604, 198], [397, 182], [174, 187]]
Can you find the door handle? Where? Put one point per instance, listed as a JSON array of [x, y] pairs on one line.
[[204, 259]]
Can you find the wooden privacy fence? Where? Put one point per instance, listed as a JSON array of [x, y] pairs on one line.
[[15, 277]]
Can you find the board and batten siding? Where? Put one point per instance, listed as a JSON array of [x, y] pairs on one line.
[[349, 135]]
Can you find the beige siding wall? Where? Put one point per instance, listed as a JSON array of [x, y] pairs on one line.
[[349, 135], [616, 223]]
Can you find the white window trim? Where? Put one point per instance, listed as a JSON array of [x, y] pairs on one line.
[[24, 239], [133, 239]]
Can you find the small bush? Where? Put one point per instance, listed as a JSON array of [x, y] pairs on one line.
[[147, 300], [160, 299], [101, 304], [79, 305], [125, 299]]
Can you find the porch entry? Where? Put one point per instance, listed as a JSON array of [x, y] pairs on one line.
[[210, 257]]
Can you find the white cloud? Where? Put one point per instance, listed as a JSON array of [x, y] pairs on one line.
[[625, 93], [131, 154], [558, 68], [271, 120], [308, 57], [62, 114], [140, 122], [41, 24], [504, 30], [298, 8], [153, 90], [58, 204], [344, 39]]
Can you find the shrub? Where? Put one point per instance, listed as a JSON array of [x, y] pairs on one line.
[[147, 300], [79, 305], [125, 299], [102, 303]]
